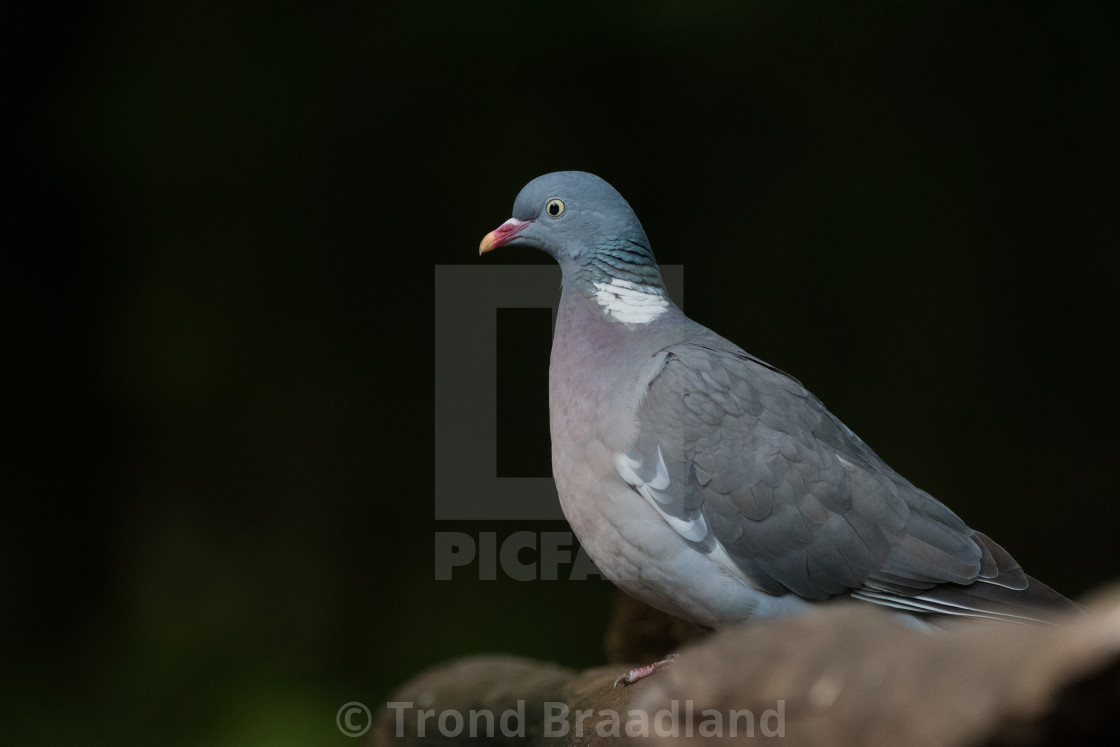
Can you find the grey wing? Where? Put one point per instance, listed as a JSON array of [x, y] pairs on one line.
[[735, 454]]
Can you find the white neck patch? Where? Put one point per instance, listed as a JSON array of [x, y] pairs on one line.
[[628, 302]]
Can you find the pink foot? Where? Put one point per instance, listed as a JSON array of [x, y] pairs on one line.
[[642, 672]]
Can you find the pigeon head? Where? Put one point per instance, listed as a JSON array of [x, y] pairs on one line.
[[578, 219]]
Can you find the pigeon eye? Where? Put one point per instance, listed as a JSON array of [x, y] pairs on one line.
[[554, 208]]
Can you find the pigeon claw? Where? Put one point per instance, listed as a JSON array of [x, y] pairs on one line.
[[629, 678]]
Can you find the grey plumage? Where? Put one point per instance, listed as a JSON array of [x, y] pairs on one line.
[[710, 484]]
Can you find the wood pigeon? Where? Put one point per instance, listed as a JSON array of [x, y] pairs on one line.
[[709, 484]]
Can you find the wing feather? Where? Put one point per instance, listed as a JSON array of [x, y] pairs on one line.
[[732, 451]]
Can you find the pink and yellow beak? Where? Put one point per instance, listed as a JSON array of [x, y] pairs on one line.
[[503, 234]]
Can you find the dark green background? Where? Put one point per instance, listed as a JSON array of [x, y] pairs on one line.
[[218, 287]]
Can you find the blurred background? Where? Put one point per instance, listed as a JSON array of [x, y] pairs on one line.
[[220, 239]]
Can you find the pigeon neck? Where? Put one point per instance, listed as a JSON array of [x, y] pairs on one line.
[[625, 283]]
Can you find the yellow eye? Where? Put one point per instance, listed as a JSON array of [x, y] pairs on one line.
[[554, 207]]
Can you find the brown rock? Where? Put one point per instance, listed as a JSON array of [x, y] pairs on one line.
[[846, 674]]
